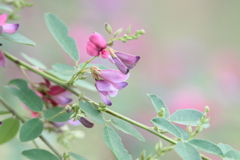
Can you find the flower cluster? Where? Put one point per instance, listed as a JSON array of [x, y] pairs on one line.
[[109, 81], [6, 28]]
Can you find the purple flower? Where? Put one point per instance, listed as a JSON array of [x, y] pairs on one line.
[[123, 61], [6, 27], [108, 82]]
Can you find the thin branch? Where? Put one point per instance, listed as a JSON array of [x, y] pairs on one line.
[[63, 84]]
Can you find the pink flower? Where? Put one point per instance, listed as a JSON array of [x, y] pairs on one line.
[[108, 82], [6, 27], [97, 46], [54, 94]]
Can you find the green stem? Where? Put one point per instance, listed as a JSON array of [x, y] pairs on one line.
[[73, 79], [63, 84], [7, 106], [35, 144]]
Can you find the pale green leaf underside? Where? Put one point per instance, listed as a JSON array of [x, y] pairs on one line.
[[39, 154], [64, 69], [113, 141], [127, 128], [75, 156], [158, 104], [34, 61], [186, 151], [18, 38], [92, 111], [206, 146], [60, 32], [164, 124]]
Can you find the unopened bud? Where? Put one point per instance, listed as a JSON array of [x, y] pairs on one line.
[[86, 123], [143, 155], [161, 113], [0, 123], [207, 109], [158, 147], [189, 129], [128, 30], [108, 28], [118, 32]]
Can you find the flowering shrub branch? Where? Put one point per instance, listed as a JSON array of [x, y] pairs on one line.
[[52, 110]]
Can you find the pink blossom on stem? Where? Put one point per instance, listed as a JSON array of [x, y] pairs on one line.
[[97, 46], [108, 82]]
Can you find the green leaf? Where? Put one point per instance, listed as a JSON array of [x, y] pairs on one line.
[[187, 117], [183, 132], [92, 111], [5, 8], [158, 104], [186, 151], [64, 69], [31, 130], [39, 154], [34, 61], [18, 38], [113, 141], [53, 111], [233, 154], [127, 128], [90, 65], [26, 95], [60, 32], [81, 83], [9, 129], [164, 124], [76, 156], [224, 147], [206, 146]]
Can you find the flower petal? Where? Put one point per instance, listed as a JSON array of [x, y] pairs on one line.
[[98, 40], [103, 85], [120, 85], [74, 123], [92, 50], [61, 100], [113, 76], [105, 99], [120, 65], [113, 93], [3, 19], [128, 59], [105, 53], [10, 28], [55, 90], [86, 123], [3, 61]]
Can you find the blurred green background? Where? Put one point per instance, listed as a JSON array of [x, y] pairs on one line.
[[190, 57]]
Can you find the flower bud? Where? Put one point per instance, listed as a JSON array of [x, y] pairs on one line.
[[207, 109], [0, 123], [86, 123], [108, 28]]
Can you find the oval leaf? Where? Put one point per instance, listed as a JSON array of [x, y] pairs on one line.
[[53, 111], [186, 117], [206, 146], [186, 151], [60, 32], [127, 128], [224, 147], [92, 111], [34, 61], [113, 141], [233, 154], [183, 132], [64, 69], [164, 124], [26, 95], [158, 104], [31, 129], [39, 154], [18, 38], [76, 156], [8, 129]]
